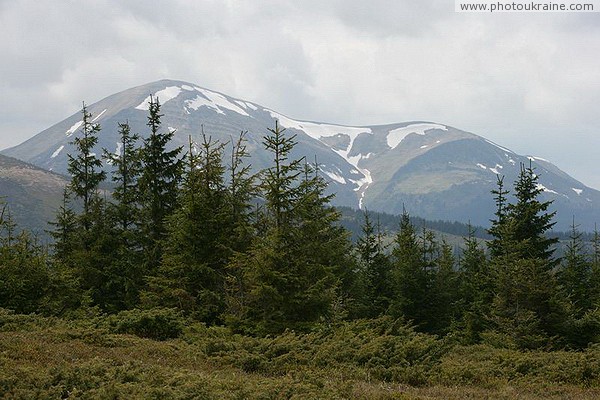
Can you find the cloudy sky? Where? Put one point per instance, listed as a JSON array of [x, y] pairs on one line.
[[530, 82]]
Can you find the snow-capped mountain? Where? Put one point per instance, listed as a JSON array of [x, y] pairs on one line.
[[433, 170]]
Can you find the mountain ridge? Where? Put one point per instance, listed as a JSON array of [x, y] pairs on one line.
[[433, 170]]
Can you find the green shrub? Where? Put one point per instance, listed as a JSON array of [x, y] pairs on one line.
[[156, 323]]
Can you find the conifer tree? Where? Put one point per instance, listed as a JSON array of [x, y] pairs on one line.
[[85, 167], [409, 275], [158, 184], [575, 274], [192, 273], [526, 306], [65, 229], [126, 164], [376, 268], [444, 291], [475, 290], [287, 279]]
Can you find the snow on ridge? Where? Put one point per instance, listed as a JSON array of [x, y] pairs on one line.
[[118, 149], [396, 136], [213, 100], [500, 147], [578, 191], [318, 131], [534, 158], [168, 93], [99, 115], [57, 152], [72, 129]]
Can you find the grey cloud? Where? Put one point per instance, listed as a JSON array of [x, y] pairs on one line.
[[530, 82]]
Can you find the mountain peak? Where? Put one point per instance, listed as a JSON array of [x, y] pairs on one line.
[[434, 170]]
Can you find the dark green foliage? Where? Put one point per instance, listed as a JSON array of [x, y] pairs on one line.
[[291, 275], [158, 185], [158, 323], [444, 292], [526, 305], [575, 275], [530, 218], [375, 265], [127, 168], [475, 290], [191, 276], [410, 277], [85, 167]]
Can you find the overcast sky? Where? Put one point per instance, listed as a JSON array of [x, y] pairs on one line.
[[530, 82]]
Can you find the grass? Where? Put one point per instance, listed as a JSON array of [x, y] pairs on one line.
[[43, 358]]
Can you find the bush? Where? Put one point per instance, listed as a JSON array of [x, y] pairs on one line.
[[156, 323]]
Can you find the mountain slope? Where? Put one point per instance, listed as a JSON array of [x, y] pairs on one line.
[[32, 194], [433, 170]]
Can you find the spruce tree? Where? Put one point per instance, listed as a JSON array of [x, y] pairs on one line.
[[444, 291], [474, 288], [85, 167], [158, 184], [376, 268], [575, 274], [410, 277], [192, 273], [287, 279], [526, 306]]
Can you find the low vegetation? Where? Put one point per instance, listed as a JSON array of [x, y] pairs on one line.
[[44, 357]]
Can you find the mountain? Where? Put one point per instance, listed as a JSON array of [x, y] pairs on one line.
[[31, 193], [433, 170]]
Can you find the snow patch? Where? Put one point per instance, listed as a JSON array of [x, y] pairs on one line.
[[188, 88], [539, 186], [335, 177], [213, 100], [578, 191], [118, 149], [481, 166], [424, 146], [168, 93], [395, 136], [495, 169], [74, 128], [57, 152]]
